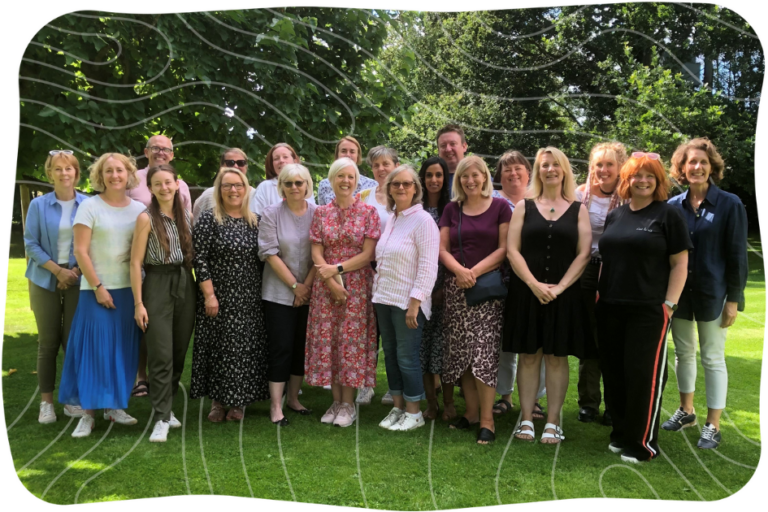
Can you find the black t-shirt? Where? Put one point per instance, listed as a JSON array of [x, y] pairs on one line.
[[635, 247]]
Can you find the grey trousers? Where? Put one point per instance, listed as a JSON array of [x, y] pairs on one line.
[[53, 315], [169, 294]]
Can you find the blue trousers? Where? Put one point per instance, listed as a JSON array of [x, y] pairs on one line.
[[401, 352]]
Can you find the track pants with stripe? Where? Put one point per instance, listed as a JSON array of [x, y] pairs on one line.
[[633, 359]]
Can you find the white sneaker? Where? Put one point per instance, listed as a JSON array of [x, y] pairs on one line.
[[160, 432], [392, 418], [119, 416], [364, 395], [387, 399], [73, 411], [84, 426], [173, 422], [346, 416], [330, 414], [408, 422], [328, 387], [47, 414], [631, 459]]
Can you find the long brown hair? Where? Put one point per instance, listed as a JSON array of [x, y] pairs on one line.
[[179, 215]]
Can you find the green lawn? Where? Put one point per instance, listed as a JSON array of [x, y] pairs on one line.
[[366, 466]]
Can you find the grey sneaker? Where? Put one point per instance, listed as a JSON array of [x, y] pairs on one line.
[[47, 414], [392, 418], [84, 426], [364, 395], [73, 411], [710, 437], [173, 422], [387, 399], [616, 447], [680, 420]]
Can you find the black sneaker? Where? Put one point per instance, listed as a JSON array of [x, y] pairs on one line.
[[710, 437], [616, 447], [587, 415], [680, 420], [607, 419]]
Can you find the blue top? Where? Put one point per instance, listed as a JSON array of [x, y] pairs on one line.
[[41, 237], [717, 265]]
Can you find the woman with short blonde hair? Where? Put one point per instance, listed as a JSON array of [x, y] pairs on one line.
[[292, 171], [568, 181], [464, 165], [219, 209], [96, 171], [347, 147]]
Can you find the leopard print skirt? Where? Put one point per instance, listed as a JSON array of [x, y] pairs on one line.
[[473, 336]]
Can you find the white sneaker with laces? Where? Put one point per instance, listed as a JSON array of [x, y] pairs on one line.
[[173, 422], [47, 414], [346, 416], [387, 399], [160, 432], [330, 414], [631, 459], [392, 418], [408, 422], [364, 395], [73, 411], [84, 426], [119, 416]]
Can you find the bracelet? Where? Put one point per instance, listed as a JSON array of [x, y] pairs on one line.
[[59, 271], [208, 299], [138, 304]]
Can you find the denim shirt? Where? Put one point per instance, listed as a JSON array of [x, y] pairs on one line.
[[41, 238], [717, 265]]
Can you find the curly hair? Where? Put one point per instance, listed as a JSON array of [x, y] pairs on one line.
[[680, 158], [96, 170], [617, 149], [634, 166]]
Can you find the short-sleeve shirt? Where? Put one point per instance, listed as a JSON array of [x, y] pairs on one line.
[[111, 237], [479, 233], [368, 196], [142, 194], [267, 195], [635, 247]]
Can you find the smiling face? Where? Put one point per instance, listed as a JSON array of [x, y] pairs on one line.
[[232, 191], [348, 149], [451, 149], [344, 183], [162, 156], [514, 178], [434, 179], [115, 175], [237, 157], [472, 181], [402, 188], [697, 167], [63, 173], [381, 168], [281, 157], [295, 188], [605, 171], [642, 184], [163, 186], [550, 172]]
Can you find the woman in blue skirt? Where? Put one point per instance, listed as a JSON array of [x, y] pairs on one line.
[[103, 347]]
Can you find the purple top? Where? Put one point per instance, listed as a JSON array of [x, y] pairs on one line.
[[479, 233]]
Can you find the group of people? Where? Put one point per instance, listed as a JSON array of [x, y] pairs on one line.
[[465, 277]]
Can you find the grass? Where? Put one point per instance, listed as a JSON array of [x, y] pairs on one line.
[[313, 463]]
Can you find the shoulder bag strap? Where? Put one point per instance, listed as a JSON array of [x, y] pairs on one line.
[[461, 249]]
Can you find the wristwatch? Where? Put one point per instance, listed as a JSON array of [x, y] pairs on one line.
[[671, 305], [97, 287], [340, 268], [294, 285]]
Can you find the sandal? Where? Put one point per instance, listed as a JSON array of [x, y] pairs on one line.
[[520, 432], [433, 409], [235, 414], [485, 436], [462, 424], [140, 389], [557, 435], [538, 412], [449, 411], [303, 412], [502, 407], [217, 413]]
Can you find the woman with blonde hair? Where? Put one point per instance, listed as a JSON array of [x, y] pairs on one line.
[[548, 247], [229, 358], [54, 277], [600, 194], [347, 147], [103, 349], [473, 233]]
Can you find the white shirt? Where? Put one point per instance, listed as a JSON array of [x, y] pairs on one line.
[[111, 237], [266, 195], [406, 260], [65, 231], [598, 211], [369, 197]]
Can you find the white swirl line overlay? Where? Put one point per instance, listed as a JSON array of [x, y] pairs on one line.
[[357, 452], [429, 464], [622, 466], [503, 456], [242, 457], [33, 459], [183, 439], [282, 458], [32, 399], [682, 475], [202, 451]]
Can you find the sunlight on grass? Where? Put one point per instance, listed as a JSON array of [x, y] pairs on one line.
[[87, 464], [27, 473]]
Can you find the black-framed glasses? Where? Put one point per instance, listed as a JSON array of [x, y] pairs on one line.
[[290, 184], [239, 163], [230, 186], [402, 184], [158, 149], [55, 152]]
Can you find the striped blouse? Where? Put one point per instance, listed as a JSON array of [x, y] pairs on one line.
[[155, 253]]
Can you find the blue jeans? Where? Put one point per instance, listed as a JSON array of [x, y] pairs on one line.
[[401, 352]]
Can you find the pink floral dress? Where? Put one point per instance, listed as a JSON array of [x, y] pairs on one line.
[[341, 340]]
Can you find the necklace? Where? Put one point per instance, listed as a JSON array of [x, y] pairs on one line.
[[551, 210], [604, 192]]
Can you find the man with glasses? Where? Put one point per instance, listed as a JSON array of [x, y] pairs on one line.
[[159, 151], [232, 157]]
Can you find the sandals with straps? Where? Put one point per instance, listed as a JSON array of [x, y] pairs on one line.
[[520, 431], [502, 407], [557, 435]]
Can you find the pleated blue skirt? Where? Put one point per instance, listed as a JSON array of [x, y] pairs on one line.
[[102, 353]]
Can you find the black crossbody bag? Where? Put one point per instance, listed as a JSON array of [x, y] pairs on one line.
[[489, 286]]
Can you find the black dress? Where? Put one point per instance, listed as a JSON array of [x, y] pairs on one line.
[[562, 326], [229, 357]]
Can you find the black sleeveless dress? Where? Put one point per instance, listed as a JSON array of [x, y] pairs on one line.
[[561, 327]]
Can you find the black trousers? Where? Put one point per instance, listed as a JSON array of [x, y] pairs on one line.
[[589, 369], [633, 359], [287, 339]]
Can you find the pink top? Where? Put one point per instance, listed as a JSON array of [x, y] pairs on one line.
[[406, 260], [143, 195]]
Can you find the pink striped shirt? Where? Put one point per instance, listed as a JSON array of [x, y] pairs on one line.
[[406, 260]]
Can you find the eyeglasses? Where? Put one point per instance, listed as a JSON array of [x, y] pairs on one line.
[[640, 154], [55, 152], [230, 186], [239, 163], [158, 149], [290, 184], [401, 184]]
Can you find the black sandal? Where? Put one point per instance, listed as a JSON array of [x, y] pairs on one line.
[[303, 412], [462, 424], [485, 435], [141, 387], [502, 407], [539, 414]]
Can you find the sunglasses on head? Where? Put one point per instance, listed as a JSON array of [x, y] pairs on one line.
[[55, 152], [640, 154], [239, 163]]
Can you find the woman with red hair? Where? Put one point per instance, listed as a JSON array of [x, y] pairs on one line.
[[644, 248]]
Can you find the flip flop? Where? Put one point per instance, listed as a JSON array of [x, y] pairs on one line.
[[538, 412], [303, 412], [502, 407], [485, 435], [462, 424], [141, 389]]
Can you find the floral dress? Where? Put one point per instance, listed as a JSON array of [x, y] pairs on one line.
[[341, 339], [229, 357], [433, 335]]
